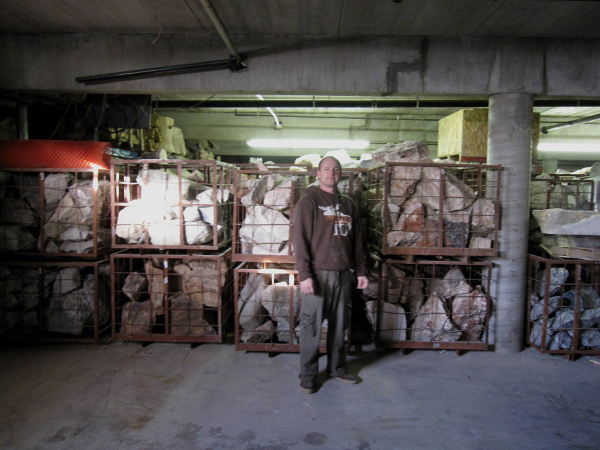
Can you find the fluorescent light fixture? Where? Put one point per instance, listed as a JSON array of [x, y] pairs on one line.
[[307, 143], [572, 147]]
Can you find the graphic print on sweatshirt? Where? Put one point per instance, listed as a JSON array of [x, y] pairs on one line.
[[342, 223]]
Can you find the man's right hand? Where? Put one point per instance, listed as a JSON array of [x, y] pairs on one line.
[[307, 286]]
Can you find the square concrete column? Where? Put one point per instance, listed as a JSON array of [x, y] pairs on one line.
[[509, 144]]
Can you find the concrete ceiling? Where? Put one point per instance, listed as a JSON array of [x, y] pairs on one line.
[[335, 18], [299, 19]]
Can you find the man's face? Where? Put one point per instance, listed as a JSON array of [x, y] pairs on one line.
[[329, 174]]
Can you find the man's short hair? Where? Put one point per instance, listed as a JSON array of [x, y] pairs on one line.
[[339, 164]]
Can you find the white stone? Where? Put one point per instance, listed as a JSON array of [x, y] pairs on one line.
[[260, 334], [251, 312], [469, 312], [279, 197], [277, 298], [136, 285], [433, 324], [562, 221], [67, 280], [137, 318], [266, 227], [392, 321], [55, 186], [197, 233], [191, 214]]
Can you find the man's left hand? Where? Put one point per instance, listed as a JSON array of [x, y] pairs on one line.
[[363, 282]]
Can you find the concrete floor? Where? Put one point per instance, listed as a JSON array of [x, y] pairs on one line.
[[172, 396]]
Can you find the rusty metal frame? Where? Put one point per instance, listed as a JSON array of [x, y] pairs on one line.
[[98, 251], [274, 347], [224, 310], [560, 179], [122, 192], [434, 345], [533, 264], [239, 211], [98, 330], [378, 185]]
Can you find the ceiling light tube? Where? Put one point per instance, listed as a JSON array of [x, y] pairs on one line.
[[572, 147], [308, 143]]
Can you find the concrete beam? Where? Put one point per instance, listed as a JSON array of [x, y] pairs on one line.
[[369, 66]]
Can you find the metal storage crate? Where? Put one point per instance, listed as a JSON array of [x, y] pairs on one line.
[[263, 212], [433, 209], [171, 204], [171, 297], [562, 191], [563, 307], [55, 212], [267, 308], [430, 304], [55, 301]]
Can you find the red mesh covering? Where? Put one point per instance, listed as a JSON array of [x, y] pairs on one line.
[[34, 154]]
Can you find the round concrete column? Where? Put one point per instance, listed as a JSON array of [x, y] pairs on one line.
[[509, 144]]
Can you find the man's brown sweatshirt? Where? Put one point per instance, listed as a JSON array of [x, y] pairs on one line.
[[327, 234]]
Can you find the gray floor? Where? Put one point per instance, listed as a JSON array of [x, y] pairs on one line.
[[172, 396]]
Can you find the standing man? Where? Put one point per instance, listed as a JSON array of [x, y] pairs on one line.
[[327, 244]]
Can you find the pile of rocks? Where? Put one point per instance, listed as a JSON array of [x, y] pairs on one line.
[[267, 201], [559, 320], [426, 196], [194, 297], [419, 307], [165, 202], [264, 305], [64, 296], [67, 219], [547, 192]]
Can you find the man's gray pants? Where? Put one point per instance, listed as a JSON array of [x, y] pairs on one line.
[[332, 301]]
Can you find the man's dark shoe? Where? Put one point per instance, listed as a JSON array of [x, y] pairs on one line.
[[347, 378], [308, 386]]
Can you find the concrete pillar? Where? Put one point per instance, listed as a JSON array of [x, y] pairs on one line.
[[509, 144]]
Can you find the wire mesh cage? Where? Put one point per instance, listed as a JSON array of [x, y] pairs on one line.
[[264, 208], [433, 209], [429, 304], [562, 191], [171, 204], [267, 308], [55, 212], [55, 301], [172, 297], [563, 307], [263, 213]]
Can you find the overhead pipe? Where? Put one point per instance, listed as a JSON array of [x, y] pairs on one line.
[[570, 123], [234, 63], [214, 17], [231, 64], [371, 104]]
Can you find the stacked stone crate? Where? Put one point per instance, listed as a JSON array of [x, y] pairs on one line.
[[267, 291], [172, 297], [563, 307], [429, 226], [54, 238], [172, 282], [430, 304], [171, 204], [563, 213]]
